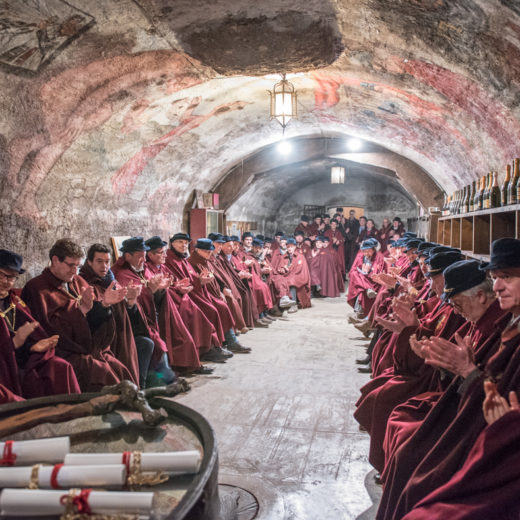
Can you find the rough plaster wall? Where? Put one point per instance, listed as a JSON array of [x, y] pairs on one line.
[[379, 199], [114, 133]]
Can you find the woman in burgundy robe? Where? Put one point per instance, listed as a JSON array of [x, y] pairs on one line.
[[337, 241], [58, 312]]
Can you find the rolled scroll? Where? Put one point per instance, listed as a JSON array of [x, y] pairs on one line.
[[56, 477], [27, 502], [23, 453], [173, 462]]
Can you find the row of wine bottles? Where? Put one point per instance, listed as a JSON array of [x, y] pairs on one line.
[[485, 193]]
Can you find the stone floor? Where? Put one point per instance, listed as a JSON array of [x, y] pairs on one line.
[[283, 418]]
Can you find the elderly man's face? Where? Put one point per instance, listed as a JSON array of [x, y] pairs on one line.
[[135, 259], [506, 285], [157, 256], [438, 284], [227, 248], [218, 247], [205, 253], [470, 307]]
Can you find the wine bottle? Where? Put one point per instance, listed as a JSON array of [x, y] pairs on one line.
[[472, 196], [495, 197], [512, 193], [481, 192], [467, 201], [486, 199], [505, 186]]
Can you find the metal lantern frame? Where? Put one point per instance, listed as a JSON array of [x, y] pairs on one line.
[[283, 102]]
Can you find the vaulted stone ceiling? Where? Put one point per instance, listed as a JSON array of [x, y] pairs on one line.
[[114, 111]]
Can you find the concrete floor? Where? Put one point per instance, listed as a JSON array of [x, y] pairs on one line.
[[283, 418]]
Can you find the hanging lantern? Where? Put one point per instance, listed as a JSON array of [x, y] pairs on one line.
[[283, 102], [337, 175]]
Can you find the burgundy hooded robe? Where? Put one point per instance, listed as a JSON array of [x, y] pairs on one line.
[[261, 290], [324, 272], [337, 248], [225, 266], [125, 276], [297, 276], [215, 309], [58, 313], [222, 281], [407, 417], [123, 345], [408, 377], [6, 395], [42, 373], [359, 282], [200, 328], [487, 486], [182, 350], [439, 448]]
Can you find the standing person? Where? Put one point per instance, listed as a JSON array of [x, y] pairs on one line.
[[337, 244], [303, 225], [351, 233], [64, 304], [28, 364], [383, 235], [397, 227]]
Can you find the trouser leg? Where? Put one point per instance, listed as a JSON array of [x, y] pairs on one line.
[[145, 348]]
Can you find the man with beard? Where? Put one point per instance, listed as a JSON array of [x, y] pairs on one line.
[[200, 260], [28, 364], [133, 352], [129, 271], [64, 304], [215, 309]]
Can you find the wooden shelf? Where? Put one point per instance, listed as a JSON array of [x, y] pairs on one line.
[[474, 232]]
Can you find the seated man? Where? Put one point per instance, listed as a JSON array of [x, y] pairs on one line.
[[291, 277], [28, 364], [64, 304], [134, 351], [129, 272]]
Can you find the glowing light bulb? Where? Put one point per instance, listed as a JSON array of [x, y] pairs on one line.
[[354, 144]]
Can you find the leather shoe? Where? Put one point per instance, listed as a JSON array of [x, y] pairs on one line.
[[365, 370], [261, 324], [363, 361], [214, 355], [245, 330], [225, 352], [237, 348]]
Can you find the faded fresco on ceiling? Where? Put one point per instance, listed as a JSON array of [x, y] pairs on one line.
[[33, 31]]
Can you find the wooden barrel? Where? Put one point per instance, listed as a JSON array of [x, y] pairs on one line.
[[193, 497]]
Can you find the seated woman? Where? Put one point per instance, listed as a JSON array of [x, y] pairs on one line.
[[29, 366]]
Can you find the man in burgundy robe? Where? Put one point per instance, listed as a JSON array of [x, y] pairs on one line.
[[440, 447], [200, 260], [303, 225], [129, 272], [227, 284], [185, 347], [409, 376], [225, 266], [337, 241], [28, 364], [215, 309], [362, 290], [96, 271], [471, 295], [291, 276], [64, 304]]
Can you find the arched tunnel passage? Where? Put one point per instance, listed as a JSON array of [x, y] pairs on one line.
[[272, 185]]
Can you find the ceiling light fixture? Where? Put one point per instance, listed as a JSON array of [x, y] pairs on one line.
[[337, 175], [354, 144], [284, 147], [283, 102]]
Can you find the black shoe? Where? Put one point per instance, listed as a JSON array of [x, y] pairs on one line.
[[365, 370], [275, 312], [268, 318], [363, 361], [238, 348], [214, 355], [187, 372]]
